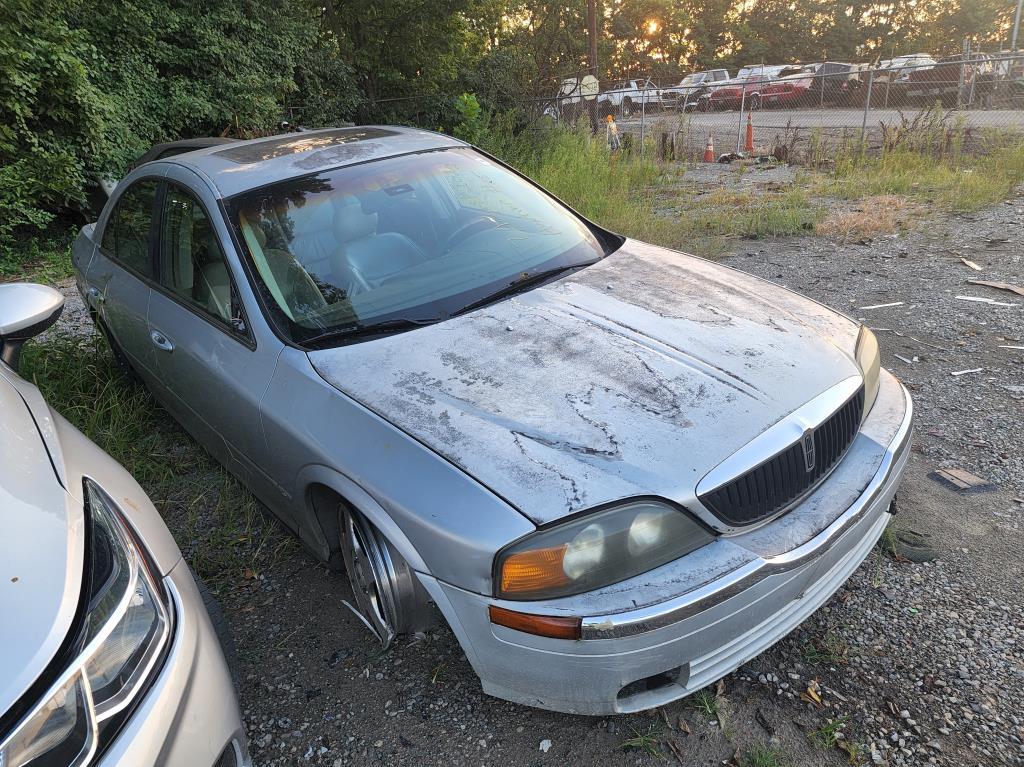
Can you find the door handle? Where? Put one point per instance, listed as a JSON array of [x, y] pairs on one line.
[[96, 295], [160, 341]]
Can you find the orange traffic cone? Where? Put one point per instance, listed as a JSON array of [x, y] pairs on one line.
[[749, 146], [709, 150]]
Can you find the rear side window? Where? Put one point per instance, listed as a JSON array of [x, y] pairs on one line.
[[126, 236]]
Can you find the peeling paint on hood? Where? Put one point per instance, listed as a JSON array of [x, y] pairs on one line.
[[634, 376]]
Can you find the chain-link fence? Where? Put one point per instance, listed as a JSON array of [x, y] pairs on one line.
[[799, 111]]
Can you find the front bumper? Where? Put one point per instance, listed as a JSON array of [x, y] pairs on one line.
[[190, 715], [670, 632]]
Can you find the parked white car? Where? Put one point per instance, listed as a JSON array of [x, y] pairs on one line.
[[108, 656], [628, 96]]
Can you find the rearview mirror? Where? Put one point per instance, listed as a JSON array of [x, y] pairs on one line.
[[26, 310]]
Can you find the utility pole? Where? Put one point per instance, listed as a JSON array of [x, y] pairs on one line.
[[592, 56], [1016, 26]]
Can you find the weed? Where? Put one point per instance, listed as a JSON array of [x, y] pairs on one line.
[[887, 541], [826, 650], [705, 701], [829, 734], [644, 741], [763, 756], [436, 673]]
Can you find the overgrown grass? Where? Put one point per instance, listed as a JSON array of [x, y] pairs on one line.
[[218, 524], [623, 192], [956, 182]]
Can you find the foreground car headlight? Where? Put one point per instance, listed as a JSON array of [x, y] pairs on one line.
[[596, 550], [115, 654], [869, 361]]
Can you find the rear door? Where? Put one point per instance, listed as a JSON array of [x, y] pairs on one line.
[[119, 277], [212, 370]]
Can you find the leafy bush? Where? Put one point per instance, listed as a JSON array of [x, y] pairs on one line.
[[51, 116]]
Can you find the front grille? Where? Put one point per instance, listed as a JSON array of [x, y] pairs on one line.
[[770, 487]]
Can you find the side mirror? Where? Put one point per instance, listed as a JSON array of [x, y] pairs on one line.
[[26, 310]]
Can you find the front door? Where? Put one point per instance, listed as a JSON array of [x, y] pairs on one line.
[[212, 371], [120, 273]]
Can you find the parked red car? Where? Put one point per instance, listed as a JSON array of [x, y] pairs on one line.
[[790, 90], [746, 88], [829, 82]]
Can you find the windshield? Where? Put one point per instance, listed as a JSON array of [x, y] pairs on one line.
[[416, 237]]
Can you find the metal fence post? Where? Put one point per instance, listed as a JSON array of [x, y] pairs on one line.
[[643, 116], [739, 126], [867, 106]]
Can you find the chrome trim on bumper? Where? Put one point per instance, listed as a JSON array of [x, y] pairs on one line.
[[658, 616]]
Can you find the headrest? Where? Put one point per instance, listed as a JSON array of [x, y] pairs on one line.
[[351, 223], [313, 217], [260, 235]]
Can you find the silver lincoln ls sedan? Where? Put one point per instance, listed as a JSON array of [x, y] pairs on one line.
[[107, 653], [617, 471]]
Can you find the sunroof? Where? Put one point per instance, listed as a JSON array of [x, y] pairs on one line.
[[297, 143]]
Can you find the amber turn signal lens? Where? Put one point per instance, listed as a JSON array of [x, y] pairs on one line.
[[527, 572], [541, 625]]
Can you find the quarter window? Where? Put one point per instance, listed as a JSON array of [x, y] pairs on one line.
[[191, 258], [126, 236]]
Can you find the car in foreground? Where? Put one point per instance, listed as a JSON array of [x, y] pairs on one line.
[[109, 657], [616, 471]]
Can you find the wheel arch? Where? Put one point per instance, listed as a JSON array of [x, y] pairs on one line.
[[324, 489]]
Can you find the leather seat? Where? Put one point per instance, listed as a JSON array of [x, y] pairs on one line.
[[370, 258], [315, 242]]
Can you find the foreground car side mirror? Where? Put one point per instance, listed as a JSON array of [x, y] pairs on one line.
[[26, 310]]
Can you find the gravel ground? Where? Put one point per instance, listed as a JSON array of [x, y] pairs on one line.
[[914, 663]]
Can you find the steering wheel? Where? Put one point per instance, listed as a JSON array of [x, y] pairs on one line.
[[468, 229]]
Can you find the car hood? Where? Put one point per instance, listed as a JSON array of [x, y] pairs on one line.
[[41, 551], [634, 376]]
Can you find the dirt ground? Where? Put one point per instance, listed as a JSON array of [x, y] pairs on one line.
[[914, 663]]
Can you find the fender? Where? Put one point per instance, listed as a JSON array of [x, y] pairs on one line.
[[364, 503]]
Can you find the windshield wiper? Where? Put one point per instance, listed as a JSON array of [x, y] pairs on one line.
[[520, 285], [361, 330]]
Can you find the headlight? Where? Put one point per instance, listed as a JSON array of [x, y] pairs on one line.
[[870, 363], [596, 550], [116, 653]]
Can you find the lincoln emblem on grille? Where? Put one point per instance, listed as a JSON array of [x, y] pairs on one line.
[[808, 443]]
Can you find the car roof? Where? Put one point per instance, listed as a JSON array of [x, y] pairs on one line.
[[244, 165]]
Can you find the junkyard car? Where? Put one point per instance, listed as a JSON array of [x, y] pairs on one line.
[[688, 93], [629, 96], [108, 655], [617, 471], [745, 90], [828, 82]]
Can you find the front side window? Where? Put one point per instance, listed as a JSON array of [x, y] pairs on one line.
[[126, 235], [191, 258], [417, 237]]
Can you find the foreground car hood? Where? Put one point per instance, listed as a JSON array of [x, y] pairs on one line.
[[41, 551], [634, 376]]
